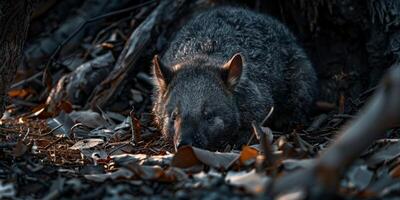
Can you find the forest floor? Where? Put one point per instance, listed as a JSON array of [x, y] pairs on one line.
[[64, 137], [41, 160]]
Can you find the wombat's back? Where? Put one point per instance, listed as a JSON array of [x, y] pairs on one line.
[[276, 71]]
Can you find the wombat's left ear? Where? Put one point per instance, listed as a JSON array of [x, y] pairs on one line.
[[233, 70], [162, 73]]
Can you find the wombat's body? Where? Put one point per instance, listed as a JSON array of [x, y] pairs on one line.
[[205, 97]]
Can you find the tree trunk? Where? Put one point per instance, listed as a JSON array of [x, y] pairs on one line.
[[14, 23]]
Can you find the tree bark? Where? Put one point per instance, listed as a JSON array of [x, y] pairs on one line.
[[14, 23]]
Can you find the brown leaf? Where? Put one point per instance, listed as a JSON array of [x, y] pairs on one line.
[[185, 158], [247, 155], [21, 93], [106, 45], [189, 156], [395, 172], [65, 106]]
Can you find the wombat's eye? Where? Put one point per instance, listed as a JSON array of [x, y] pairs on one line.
[[209, 117]]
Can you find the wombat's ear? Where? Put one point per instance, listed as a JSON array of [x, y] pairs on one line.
[[162, 73], [233, 70]]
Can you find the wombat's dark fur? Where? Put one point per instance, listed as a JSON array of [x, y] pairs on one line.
[[207, 94]]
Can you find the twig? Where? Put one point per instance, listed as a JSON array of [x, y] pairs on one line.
[[369, 91], [268, 116], [387, 141], [265, 142], [72, 130], [250, 139], [51, 131], [117, 148], [54, 142], [23, 82], [26, 135], [116, 143], [262, 123], [343, 116]]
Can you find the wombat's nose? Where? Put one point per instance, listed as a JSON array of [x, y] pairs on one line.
[[185, 142]]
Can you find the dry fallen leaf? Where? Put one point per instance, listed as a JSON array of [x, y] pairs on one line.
[[292, 195], [61, 124], [360, 176], [65, 106], [120, 173], [87, 143], [251, 181], [395, 172], [248, 155], [185, 158], [88, 118], [143, 159], [190, 156], [386, 153], [155, 172], [21, 93]]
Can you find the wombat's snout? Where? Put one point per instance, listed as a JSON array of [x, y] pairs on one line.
[[189, 138], [184, 142], [182, 138]]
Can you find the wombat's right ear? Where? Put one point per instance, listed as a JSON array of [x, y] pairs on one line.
[[162, 73], [233, 70]]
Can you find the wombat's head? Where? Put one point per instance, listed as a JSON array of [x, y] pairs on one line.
[[195, 103]]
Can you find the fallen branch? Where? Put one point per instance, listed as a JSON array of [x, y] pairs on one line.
[[380, 114], [93, 19], [66, 36], [76, 86], [164, 14]]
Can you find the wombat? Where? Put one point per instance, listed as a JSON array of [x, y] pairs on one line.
[[225, 68]]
